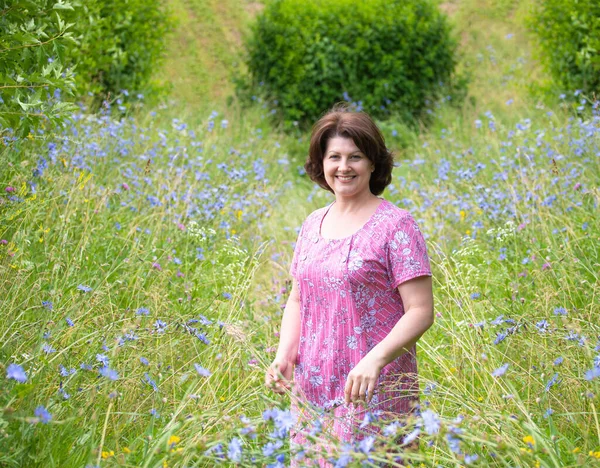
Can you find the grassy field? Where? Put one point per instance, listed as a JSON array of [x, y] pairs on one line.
[[143, 268]]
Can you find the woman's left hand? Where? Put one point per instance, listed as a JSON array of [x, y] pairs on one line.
[[362, 381]]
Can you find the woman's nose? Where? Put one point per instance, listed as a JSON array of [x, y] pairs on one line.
[[343, 164]]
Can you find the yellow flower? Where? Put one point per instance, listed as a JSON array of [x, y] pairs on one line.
[[107, 454], [537, 464], [222, 398], [239, 214], [595, 454], [529, 440], [480, 398], [30, 136], [576, 450], [233, 231], [126, 450], [165, 464], [468, 232], [173, 440], [462, 215]]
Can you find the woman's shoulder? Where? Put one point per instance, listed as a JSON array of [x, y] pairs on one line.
[[394, 214]]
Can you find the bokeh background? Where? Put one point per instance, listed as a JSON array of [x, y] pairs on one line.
[[152, 188]]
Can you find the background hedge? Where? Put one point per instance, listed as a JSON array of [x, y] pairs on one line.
[[385, 56], [569, 37]]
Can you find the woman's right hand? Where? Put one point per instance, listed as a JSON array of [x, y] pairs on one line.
[[279, 375]]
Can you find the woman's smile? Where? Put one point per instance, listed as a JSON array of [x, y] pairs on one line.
[[347, 170]]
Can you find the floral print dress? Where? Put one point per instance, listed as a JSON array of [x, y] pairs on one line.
[[349, 302]]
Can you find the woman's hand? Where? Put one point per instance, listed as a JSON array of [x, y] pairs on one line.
[[362, 380], [279, 375]]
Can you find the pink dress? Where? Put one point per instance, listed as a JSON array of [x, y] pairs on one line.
[[349, 302]]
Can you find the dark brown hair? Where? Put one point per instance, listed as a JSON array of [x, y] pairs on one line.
[[358, 126]]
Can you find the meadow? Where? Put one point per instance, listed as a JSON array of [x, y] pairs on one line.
[[144, 267]]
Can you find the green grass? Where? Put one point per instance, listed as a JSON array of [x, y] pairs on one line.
[[202, 237]]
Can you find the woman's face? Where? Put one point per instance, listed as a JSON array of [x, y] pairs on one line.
[[346, 168]]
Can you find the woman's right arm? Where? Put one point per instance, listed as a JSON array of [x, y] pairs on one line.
[[289, 339]]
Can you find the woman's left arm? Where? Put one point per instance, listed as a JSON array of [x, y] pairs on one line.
[[417, 297]]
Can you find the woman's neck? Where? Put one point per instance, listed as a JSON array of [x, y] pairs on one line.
[[348, 205]]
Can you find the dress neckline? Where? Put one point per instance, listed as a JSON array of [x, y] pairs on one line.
[[383, 200]]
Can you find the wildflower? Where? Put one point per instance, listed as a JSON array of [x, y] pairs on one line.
[[475, 295], [48, 349], [42, 414], [453, 442], [235, 450], [202, 371], [69, 322], [558, 361], [500, 371], [47, 304], [271, 447], [227, 295], [529, 440], [160, 326], [542, 326], [150, 382], [471, 458], [173, 440], [431, 421], [593, 373], [366, 445], [411, 437], [548, 412], [553, 381], [142, 311], [500, 337], [16, 372], [84, 288], [560, 311], [144, 361], [157, 266], [102, 359], [109, 373], [107, 454]]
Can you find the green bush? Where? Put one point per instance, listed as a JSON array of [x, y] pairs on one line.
[[53, 51], [569, 39], [388, 57], [34, 37], [121, 42]]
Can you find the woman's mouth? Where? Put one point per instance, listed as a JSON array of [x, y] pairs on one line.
[[345, 178]]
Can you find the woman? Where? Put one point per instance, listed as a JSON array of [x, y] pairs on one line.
[[361, 295]]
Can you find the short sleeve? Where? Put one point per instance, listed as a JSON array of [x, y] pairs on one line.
[[297, 249], [406, 251]]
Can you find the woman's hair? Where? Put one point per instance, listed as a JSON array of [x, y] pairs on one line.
[[358, 126]]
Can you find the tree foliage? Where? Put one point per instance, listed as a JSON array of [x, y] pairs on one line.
[[569, 39]]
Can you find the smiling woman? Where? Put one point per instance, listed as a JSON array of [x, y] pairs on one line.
[[361, 297]]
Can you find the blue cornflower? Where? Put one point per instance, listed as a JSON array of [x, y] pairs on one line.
[[543, 326], [593, 373], [227, 295], [160, 326], [500, 337], [391, 429], [366, 445], [475, 295], [411, 437], [285, 420], [42, 414], [453, 442], [48, 349], [16, 372], [431, 421], [271, 447], [500, 371], [84, 288], [150, 382], [69, 322], [142, 311], [235, 450], [558, 361], [47, 304], [553, 381], [102, 359], [202, 337], [144, 361], [202, 371], [471, 458], [109, 373], [560, 311], [548, 412], [66, 372], [498, 320]]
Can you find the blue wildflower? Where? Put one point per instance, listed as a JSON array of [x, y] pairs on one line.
[[366, 445], [235, 450], [102, 359], [142, 311], [48, 349], [42, 414], [84, 288], [202, 371], [560, 311], [475, 295], [593, 373], [548, 412], [553, 381], [16, 372], [558, 361], [144, 361], [160, 326], [500, 337], [411, 437], [47, 304], [500, 371], [271, 447], [150, 382], [109, 373], [69, 322], [431, 421], [471, 458]]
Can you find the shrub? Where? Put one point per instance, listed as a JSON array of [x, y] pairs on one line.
[[33, 39], [569, 40], [386, 56], [121, 44]]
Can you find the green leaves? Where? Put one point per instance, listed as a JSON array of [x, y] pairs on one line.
[[386, 57]]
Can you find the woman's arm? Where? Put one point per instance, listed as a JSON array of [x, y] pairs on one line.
[[417, 297], [289, 339]]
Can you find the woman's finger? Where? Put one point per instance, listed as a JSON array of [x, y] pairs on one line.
[[370, 390]]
